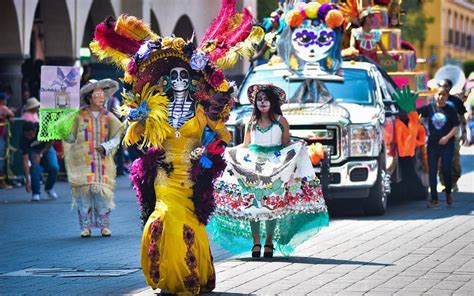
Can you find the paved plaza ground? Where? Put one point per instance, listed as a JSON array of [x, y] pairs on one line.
[[411, 250]]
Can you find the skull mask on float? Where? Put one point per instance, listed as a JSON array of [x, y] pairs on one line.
[[179, 79], [312, 43]]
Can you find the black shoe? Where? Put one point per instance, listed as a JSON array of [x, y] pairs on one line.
[[256, 254], [268, 254]]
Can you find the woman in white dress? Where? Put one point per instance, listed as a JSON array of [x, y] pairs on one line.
[[270, 182]]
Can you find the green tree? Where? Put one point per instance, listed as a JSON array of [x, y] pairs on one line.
[[265, 7], [415, 22]]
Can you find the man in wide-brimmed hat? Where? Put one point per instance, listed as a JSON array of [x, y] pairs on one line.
[[30, 110], [95, 135]]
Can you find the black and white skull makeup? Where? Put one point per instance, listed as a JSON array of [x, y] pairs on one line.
[[179, 79], [181, 106]]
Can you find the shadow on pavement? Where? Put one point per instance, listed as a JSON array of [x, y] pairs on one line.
[[312, 260]]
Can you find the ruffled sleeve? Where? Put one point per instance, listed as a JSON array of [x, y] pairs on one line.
[[377, 35], [219, 127]]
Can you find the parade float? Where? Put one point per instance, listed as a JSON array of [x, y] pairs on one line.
[[404, 70], [346, 130]]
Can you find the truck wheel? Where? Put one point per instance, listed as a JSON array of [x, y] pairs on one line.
[[376, 202]]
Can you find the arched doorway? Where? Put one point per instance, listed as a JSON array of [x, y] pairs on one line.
[[11, 56], [55, 28], [11, 46], [50, 43], [155, 26], [99, 11], [184, 28]]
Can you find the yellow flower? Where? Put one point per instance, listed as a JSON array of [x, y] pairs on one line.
[[178, 43], [127, 78], [311, 10], [293, 63], [224, 86], [225, 112], [167, 42]]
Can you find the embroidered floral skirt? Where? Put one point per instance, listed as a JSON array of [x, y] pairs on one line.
[[276, 188], [176, 255]]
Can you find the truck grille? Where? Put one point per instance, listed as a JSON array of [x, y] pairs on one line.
[[328, 136]]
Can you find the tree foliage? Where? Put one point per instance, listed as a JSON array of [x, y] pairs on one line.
[[265, 7], [415, 22]]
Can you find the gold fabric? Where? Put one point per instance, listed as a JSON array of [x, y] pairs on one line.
[[176, 255]]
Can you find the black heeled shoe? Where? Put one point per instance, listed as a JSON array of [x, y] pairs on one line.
[[268, 254], [256, 254]]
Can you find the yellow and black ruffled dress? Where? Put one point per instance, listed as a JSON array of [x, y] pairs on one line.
[[175, 254]]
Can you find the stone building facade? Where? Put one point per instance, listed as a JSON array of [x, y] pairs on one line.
[[52, 32]]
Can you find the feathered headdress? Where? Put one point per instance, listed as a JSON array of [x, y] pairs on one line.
[[351, 10], [147, 59], [230, 36]]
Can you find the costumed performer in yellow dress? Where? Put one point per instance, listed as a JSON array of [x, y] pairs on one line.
[[176, 101]]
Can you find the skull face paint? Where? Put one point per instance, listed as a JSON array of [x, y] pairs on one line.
[[312, 43], [263, 103], [179, 79]]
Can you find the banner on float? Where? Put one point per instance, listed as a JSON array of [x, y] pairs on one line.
[[60, 101], [60, 87]]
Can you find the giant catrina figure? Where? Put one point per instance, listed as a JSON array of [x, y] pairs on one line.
[[312, 35], [176, 102]]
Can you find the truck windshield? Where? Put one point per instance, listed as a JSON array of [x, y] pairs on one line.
[[357, 87]]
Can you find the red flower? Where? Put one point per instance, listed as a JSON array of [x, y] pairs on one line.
[[216, 78]]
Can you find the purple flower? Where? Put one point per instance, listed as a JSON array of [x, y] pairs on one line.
[[198, 61], [323, 11]]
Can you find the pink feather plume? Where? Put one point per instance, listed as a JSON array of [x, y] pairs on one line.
[[107, 37], [221, 22]]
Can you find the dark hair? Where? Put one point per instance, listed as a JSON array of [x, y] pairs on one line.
[[29, 126], [2, 96], [446, 83], [274, 107]]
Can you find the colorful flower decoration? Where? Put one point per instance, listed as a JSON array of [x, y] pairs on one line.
[[313, 35], [147, 58]]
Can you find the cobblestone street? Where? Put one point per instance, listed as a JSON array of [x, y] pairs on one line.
[[411, 250]]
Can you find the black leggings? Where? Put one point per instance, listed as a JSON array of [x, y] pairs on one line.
[[445, 152]]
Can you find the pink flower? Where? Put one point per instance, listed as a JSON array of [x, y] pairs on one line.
[[216, 78]]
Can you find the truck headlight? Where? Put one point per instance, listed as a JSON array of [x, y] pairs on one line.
[[362, 139]]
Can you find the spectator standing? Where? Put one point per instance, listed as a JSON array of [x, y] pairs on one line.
[[31, 110], [5, 115]]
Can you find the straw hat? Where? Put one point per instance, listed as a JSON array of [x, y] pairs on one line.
[[109, 87], [255, 88], [31, 103], [366, 12]]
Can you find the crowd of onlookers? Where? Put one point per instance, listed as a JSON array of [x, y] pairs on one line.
[[48, 156], [51, 160]]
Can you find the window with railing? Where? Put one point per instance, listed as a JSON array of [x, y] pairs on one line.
[[450, 27]]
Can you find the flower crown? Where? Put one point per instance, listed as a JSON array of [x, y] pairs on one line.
[[147, 60], [152, 51], [315, 12]]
